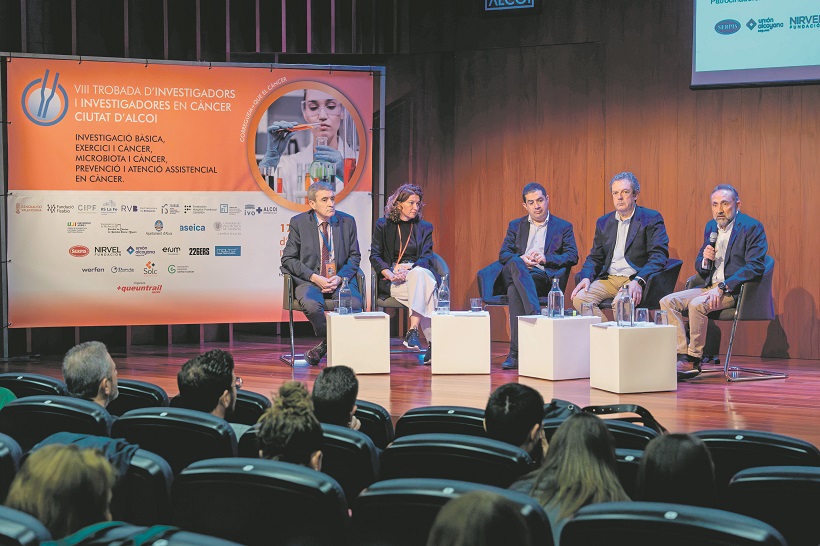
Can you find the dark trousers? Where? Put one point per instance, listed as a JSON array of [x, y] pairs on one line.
[[312, 300], [524, 285]]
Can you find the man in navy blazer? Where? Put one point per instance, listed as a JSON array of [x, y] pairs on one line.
[[630, 244], [536, 249], [733, 252], [323, 231]]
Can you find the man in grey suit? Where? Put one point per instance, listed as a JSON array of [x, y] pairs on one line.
[[630, 244], [322, 249]]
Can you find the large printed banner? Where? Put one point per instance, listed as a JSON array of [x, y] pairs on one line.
[[161, 194]]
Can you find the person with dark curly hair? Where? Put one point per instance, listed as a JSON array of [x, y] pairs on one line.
[[401, 253], [288, 431]]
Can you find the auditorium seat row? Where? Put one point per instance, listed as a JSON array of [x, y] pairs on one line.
[[253, 501]]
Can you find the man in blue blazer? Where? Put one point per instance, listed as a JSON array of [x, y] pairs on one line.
[[630, 244], [536, 249], [733, 252], [322, 249]]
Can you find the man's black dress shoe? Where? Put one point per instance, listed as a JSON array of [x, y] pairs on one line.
[[314, 355]]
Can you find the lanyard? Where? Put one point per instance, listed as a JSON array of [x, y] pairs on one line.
[[406, 244]]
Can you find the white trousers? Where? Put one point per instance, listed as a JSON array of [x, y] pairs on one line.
[[418, 294]]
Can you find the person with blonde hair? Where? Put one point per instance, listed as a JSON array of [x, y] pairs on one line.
[[65, 487], [288, 431], [580, 469], [401, 253]]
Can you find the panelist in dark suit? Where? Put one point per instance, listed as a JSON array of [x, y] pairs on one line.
[[630, 244], [735, 256], [536, 249], [322, 249], [401, 254]]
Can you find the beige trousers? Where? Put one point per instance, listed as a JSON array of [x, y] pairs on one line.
[[598, 291], [694, 302]]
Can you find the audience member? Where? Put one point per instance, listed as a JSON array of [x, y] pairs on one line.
[[289, 431], [208, 383], [90, 373], [579, 469], [677, 468], [65, 487], [514, 414], [479, 518], [334, 397]]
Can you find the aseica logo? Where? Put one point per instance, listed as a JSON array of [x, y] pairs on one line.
[[45, 102], [192, 228], [727, 26], [79, 251]]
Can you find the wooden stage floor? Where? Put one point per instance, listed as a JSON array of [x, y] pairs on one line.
[[786, 406]]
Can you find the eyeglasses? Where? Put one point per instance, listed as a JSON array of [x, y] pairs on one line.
[[238, 383], [311, 109]]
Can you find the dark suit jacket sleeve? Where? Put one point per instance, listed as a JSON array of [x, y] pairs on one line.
[[597, 255], [657, 246], [754, 254], [711, 226], [290, 256], [377, 260], [568, 256], [351, 241], [425, 260], [508, 249]]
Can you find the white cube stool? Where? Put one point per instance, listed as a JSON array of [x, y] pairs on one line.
[[554, 348], [461, 342], [635, 359], [360, 341]]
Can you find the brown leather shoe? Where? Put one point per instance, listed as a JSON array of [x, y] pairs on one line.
[[316, 354], [688, 367]]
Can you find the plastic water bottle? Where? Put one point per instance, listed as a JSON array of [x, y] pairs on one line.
[[443, 304], [555, 301], [624, 308], [345, 305]]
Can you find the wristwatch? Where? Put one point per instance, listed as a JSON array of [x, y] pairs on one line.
[[640, 281], [722, 286]]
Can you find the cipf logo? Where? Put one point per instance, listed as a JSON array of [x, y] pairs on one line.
[[45, 101], [79, 251], [727, 26]]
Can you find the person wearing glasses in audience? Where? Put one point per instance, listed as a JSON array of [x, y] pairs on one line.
[[325, 112], [630, 244], [208, 383]]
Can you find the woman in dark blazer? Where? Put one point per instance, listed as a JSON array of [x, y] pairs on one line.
[[402, 255]]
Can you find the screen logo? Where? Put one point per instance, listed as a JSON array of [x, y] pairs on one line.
[[727, 26]]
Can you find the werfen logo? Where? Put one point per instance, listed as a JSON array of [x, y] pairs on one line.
[[727, 26], [79, 251], [93, 270], [228, 250], [45, 102]]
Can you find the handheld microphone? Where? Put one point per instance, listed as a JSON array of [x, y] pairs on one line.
[[709, 264]]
